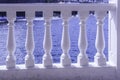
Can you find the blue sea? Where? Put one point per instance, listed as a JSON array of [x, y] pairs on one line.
[[56, 33]]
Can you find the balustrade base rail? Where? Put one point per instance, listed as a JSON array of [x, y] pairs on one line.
[[58, 72]]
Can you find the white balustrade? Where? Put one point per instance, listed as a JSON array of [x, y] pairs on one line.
[[65, 60], [100, 58], [82, 41], [29, 44], [65, 44], [47, 44], [10, 60]]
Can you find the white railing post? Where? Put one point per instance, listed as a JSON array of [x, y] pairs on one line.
[[114, 36], [47, 44], [29, 44], [82, 41], [112, 33], [10, 60], [100, 58], [65, 42]]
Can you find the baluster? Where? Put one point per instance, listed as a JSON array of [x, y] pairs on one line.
[[29, 44], [82, 41], [100, 59], [10, 60], [65, 44], [47, 44]]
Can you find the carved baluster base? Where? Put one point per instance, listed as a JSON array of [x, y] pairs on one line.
[[10, 61], [65, 60], [82, 59], [47, 60], [29, 61], [100, 59]]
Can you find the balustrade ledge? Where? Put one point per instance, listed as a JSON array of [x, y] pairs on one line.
[[56, 6], [75, 72], [57, 66]]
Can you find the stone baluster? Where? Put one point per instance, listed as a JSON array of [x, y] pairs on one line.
[[29, 44], [10, 60], [100, 58], [82, 58], [65, 44], [47, 44]]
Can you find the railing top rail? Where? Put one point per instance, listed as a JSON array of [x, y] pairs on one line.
[[57, 7]]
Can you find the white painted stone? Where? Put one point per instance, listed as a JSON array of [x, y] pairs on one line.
[[10, 60], [115, 36], [47, 44], [65, 45], [58, 72], [100, 58], [82, 58], [29, 44], [73, 72]]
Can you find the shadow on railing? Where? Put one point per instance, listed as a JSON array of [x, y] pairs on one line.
[[54, 1]]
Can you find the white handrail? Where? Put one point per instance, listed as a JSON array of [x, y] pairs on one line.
[[57, 7]]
